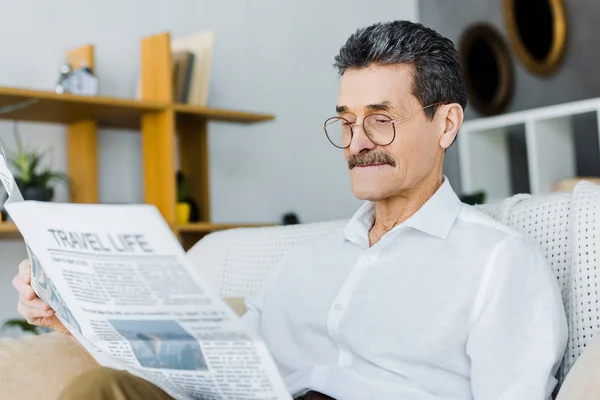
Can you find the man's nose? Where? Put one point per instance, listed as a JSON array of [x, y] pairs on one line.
[[360, 140]]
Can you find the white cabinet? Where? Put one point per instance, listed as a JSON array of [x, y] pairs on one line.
[[485, 149]]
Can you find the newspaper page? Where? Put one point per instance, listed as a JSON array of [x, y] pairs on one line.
[[120, 282]]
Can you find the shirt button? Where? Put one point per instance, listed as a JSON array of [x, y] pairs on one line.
[[338, 307], [344, 359], [368, 260]]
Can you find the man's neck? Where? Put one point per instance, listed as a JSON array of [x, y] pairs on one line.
[[395, 210]]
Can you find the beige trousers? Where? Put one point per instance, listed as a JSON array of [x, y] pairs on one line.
[[110, 384]]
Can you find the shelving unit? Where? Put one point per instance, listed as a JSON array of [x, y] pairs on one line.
[[207, 227], [549, 141], [160, 121], [8, 231], [216, 114]]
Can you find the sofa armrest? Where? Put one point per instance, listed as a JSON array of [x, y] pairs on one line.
[[583, 380]]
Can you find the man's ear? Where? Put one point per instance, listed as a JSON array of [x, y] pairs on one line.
[[452, 116]]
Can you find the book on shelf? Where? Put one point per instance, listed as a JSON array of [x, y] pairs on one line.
[[191, 59], [201, 46], [183, 65]]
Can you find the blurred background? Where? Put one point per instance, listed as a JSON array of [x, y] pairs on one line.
[[241, 90]]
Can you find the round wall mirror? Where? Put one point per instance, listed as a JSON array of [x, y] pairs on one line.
[[537, 30], [487, 69]]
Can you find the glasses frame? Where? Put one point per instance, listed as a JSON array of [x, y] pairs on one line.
[[393, 122]]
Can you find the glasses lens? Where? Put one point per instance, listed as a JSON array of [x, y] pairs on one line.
[[380, 129], [338, 131]]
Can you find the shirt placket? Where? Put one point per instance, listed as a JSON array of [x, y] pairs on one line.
[[340, 304]]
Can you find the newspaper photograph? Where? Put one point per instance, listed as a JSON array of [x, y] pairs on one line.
[[120, 282]]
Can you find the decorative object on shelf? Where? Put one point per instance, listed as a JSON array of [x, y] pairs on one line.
[[183, 208], [65, 72], [488, 69], [290, 218], [537, 30], [35, 183], [194, 210], [81, 81]]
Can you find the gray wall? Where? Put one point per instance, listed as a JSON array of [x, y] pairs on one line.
[[577, 79], [270, 55]]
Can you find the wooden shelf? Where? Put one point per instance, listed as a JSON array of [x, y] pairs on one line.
[[9, 230], [217, 114], [207, 227], [190, 234], [109, 112], [165, 127], [41, 106]]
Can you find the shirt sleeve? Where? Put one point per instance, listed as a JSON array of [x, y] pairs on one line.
[[256, 301], [519, 331]]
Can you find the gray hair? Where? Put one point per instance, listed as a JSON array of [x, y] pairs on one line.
[[437, 76]]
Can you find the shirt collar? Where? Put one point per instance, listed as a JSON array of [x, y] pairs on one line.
[[435, 217]]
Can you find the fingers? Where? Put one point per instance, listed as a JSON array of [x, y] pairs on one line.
[[25, 271], [38, 304], [50, 322], [31, 307], [25, 291], [46, 319], [32, 313]]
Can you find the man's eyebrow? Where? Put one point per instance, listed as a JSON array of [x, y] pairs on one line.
[[383, 106]]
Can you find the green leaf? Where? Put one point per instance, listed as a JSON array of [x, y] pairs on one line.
[[23, 325], [182, 187], [25, 164]]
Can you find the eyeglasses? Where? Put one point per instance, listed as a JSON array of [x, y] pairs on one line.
[[379, 128]]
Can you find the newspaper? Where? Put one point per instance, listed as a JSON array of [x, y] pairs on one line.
[[121, 284]]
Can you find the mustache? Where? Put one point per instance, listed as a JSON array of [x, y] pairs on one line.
[[371, 157]]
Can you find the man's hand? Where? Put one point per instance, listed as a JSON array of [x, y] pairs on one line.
[[31, 307]]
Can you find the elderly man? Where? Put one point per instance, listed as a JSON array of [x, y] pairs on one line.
[[420, 297]]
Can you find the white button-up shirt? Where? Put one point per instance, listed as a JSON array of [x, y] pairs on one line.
[[449, 304]]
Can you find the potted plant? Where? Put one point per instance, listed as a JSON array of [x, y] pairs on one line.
[[24, 326], [35, 182], [183, 208]]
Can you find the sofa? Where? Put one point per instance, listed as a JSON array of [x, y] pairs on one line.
[[235, 262]]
